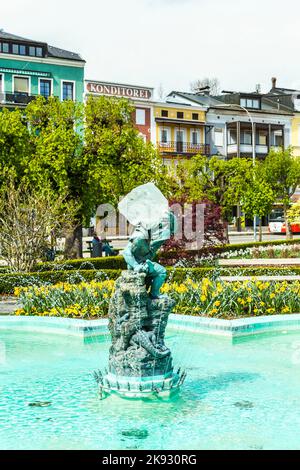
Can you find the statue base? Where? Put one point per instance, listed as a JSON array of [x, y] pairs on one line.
[[140, 364], [141, 387]]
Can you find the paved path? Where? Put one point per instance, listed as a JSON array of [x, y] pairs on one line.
[[260, 262], [8, 306]]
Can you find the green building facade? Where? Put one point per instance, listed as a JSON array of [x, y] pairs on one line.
[[30, 68]]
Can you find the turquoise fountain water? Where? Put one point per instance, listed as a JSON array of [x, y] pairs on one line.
[[236, 396]]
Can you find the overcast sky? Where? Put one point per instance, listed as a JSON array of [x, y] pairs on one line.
[[169, 42]]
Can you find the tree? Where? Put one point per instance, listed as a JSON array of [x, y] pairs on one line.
[[294, 213], [57, 133], [28, 218], [222, 182], [16, 147], [94, 155], [118, 157], [213, 83], [282, 172], [258, 200]]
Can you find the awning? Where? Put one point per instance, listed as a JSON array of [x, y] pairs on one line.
[[25, 72]]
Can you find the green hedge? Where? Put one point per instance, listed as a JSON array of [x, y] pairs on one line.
[[118, 262], [109, 262], [9, 281]]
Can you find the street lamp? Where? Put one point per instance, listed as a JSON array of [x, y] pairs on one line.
[[232, 105]]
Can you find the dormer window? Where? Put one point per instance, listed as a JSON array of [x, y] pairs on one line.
[[21, 49], [253, 103], [4, 47], [35, 51]]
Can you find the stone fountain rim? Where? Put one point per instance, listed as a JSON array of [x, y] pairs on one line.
[[203, 325]]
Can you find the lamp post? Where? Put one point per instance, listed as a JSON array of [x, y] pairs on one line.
[[231, 105]]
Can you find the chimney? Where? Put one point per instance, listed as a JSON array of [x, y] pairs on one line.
[[203, 91], [274, 80]]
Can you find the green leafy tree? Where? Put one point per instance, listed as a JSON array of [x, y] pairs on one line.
[[92, 154], [294, 213], [57, 133], [118, 157], [223, 182], [16, 146], [282, 172], [258, 200]]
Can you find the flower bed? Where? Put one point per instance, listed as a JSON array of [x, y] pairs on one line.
[[206, 298]]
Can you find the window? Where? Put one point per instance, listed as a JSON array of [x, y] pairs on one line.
[[140, 117], [4, 47], [67, 91], [164, 136], [195, 116], [22, 50], [246, 137], [15, 48], [250, 103], [45, 88], [35, 51], [195, 137], [278, 138], [261, 138], [218, 137], [21, 85], [180, 115], [1, 83], [164, 113], [232, 137]]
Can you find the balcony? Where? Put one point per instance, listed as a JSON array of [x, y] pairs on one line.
[[183, 148], [247, 150], [16, 98]]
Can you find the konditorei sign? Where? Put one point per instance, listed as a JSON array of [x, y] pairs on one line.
[[116, 89]]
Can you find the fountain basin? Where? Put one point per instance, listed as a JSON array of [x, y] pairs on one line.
[[237, 395]]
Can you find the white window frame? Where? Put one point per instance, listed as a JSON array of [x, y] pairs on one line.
[[219, 132], [230, 132], [61, 88], [168, 135], [136, 114], [39, 85], [196, 131], [21, 76]]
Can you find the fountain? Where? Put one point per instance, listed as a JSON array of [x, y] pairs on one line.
[[140, 364]]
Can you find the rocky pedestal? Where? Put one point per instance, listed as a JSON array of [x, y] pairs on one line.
[[140, 364]]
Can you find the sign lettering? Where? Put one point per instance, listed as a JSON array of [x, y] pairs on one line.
[[112, 89]]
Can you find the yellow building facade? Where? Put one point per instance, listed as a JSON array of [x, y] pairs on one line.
[[295, 134], [181, 131]]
